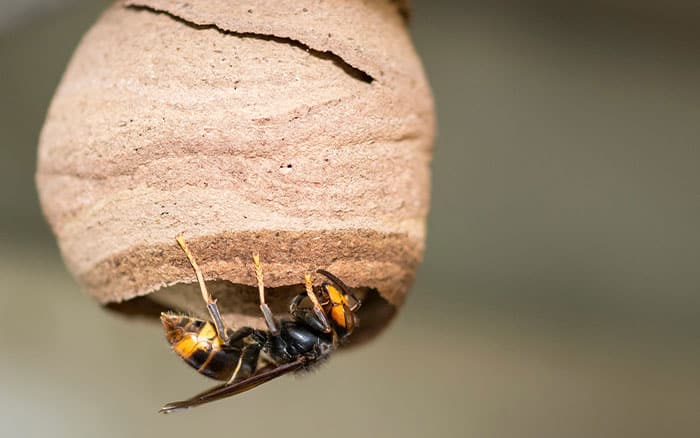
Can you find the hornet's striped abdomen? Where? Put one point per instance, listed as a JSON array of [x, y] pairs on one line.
[[197, 343]]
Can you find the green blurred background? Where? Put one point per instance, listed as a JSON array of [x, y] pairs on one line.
[[560, 294]]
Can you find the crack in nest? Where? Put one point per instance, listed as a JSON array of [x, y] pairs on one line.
[[327, 55]]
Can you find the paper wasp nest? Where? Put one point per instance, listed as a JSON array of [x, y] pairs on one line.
[[301, 130]]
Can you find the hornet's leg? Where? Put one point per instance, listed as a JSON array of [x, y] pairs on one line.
[[221, 329], [314, 317], [309, 286], [247, 362], [264, 308]]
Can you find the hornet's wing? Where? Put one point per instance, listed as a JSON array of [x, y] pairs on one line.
[[227, 390]]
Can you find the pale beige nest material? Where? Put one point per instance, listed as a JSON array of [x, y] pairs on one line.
[[301, 130]]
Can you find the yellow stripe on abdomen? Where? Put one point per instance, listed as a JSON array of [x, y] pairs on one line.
[[186, 347]]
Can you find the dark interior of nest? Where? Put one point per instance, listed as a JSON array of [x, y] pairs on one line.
[[239, 306]]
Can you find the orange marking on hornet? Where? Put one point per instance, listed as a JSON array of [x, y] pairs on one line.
[[186, 346], [339, 305]]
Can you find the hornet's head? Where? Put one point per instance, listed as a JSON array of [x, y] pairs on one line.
[[339, 304]]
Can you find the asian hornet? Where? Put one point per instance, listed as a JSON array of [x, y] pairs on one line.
[[320, 319]]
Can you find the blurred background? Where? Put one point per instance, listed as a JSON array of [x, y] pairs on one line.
[[560, 294]]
